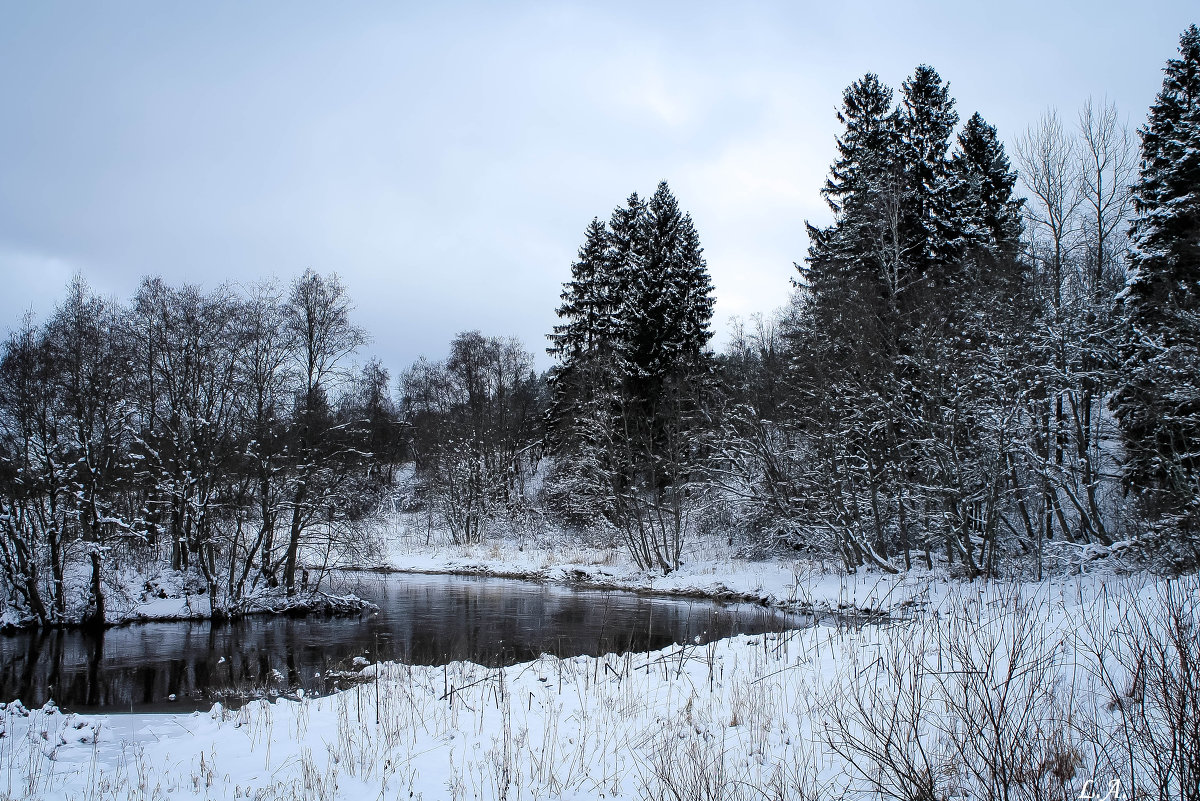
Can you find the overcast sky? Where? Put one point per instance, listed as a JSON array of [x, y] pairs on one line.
[[444, 159]]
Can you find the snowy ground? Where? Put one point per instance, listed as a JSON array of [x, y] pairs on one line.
[[771, 716], [139, 594], [710, 568], [748, 717]]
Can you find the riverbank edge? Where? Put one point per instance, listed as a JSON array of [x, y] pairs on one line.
[[914, 592], [318, 603], [578, 578]]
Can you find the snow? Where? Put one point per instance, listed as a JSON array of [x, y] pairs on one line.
[[759, 708], [710, 569]]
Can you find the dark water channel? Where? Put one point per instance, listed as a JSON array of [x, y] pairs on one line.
[[426, 620]]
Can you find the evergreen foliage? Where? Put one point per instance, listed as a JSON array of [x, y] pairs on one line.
[[985, 191], [897, 349], [936, 388], [931, 223], [1158, 403], [632, 356]]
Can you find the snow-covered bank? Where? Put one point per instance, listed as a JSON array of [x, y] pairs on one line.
[[771, 716], [794, 586], [134, 597], [711, 569]]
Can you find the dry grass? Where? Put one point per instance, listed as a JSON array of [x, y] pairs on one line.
[[1002, 695]]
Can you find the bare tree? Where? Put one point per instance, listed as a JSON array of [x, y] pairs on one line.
[[317, 315], [661, 452], [1061, 459], [473, 422], [1079, 201], [86, 341], [33, 472], [269, 379], [1049, 167], [190, 347], [1108, 166]]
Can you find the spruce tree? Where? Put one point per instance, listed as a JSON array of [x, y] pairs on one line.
[[844, 347], [895, 379], [1158, 403], [632, 354], [988, 224], [853, 264], [986, 182], [1166, 229], [866, 159], [667, 305], [584, 338], [932, 231], [586, 301], [695, 309], [626, 258], [866, 148]]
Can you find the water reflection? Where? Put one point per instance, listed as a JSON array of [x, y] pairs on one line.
[[426, 620]]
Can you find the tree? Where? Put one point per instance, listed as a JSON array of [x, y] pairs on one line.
[[758, 468], [1072, 209], [473, 427], [87, 346], [666, 306], [844, 345], [268, 379], [582, 383], [34, 496], [861, 254], [1049, 167], [1107, 169], [986, 182], [901, 345], [1158, 402], [374, 410], [188, 347], [317, 315], [932, 227], [1079, 338], [589, 300], [632, 354], [182, 429]]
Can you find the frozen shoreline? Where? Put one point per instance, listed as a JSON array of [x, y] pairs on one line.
[[758, 711]]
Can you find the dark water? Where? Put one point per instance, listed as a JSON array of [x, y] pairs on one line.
[[426, 620]]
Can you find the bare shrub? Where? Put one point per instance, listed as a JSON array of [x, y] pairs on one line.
[[1148, 665], [1000, 683], [966, 706], [690, 763], [881, 723]]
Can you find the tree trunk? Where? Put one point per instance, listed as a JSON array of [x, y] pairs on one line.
[[293, 548], [93, 617]]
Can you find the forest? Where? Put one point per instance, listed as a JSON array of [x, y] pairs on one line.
[[987, 361]]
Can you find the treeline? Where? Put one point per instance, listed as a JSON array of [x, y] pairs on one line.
[[617, 436], [945, 362], [967, 371], [216, 432], [981, 365]]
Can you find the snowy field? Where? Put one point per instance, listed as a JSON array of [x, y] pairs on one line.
[[1020, 684]]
